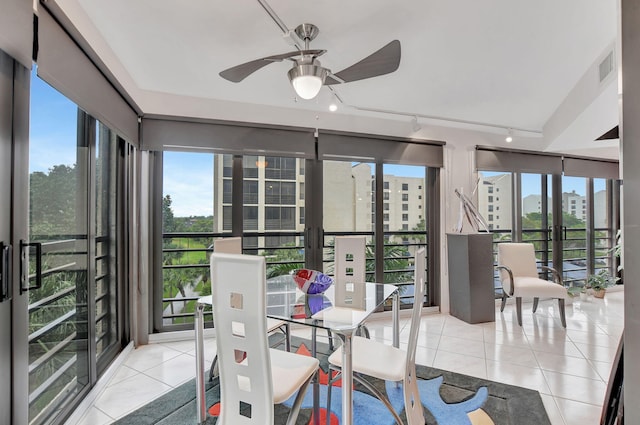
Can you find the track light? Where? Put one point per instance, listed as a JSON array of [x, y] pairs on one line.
[[415, 125], [509, 137]]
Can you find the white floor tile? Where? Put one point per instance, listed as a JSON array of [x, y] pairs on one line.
[[576, 388], [522, 376], [576, 413], [123, 372], [568, 365], [433, 323], [95, 417], [603, 369], [562, 347], [460, 329], [147, 356], [469, 347], [128, 395], [553, 412], [425, 356], [510, 354], [425, 339], [186, 346], [516, 339], [597, 352], [175, 371], [592, 338], [461, 363]]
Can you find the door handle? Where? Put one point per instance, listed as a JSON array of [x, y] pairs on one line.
[[24, 265], [307, 237], [5, 272]]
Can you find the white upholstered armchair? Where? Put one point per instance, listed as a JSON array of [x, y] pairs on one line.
[[520, 278]]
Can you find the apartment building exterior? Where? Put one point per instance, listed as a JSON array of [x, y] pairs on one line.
[[274, 198], [495, 203]]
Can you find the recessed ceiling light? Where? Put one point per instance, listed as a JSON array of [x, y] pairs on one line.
[[333, 107]]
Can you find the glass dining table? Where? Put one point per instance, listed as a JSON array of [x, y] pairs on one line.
[[342, 309]]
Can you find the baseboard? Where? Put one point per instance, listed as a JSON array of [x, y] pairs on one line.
[[616, 288], [179, 336]]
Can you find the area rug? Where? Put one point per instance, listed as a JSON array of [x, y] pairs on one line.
[[448, 399]]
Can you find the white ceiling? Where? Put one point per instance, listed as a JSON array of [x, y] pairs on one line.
[[510, 63]]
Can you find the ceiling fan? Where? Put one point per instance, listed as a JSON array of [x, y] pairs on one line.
[[307, 75]]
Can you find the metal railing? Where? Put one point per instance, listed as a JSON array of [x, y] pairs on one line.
[[58, 334], [53, 326], [185, 263]]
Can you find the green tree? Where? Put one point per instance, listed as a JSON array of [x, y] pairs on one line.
[[168, 220], [283, 261], [52, 198]]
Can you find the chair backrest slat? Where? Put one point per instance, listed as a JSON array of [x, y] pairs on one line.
[[228, 245], [350, 259]]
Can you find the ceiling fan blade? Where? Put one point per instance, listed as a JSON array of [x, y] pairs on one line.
[[329, 80], [381, 62], [238, 73]]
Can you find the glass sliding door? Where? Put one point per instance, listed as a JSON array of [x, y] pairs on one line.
[[349, 208], [404, 220], [196, 208], [74, 330], [496, 205], [59, 327], [536, 220], [273, 211], [573, 231], [603, 226], [105, 279]]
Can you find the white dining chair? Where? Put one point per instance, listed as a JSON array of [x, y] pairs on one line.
[[520, 278], [253, 376], [234, 246], [350, 265], [382, 361]]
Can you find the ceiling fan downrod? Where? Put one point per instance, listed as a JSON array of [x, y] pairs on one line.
[[306, 33]]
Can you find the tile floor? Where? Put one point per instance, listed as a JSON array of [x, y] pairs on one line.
[[569, 367]]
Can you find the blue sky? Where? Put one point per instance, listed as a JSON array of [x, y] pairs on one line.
[[188, 178], [52, 130]]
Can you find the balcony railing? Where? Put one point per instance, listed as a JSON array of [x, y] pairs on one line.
[[186, 263], [58, 312]]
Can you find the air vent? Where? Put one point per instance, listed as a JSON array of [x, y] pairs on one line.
[[606, 66]]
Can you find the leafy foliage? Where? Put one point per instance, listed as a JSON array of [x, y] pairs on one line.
[[53, 201]]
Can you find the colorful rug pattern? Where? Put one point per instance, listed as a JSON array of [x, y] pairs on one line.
[[449, 399], [367, 407]]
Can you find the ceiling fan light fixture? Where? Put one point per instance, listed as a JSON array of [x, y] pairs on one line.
[[307, 80]]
